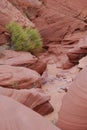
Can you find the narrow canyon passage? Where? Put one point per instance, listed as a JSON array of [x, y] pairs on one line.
[[43, 50]]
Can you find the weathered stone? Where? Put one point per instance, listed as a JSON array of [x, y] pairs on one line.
[[83, 62], [78, 52], [35, 99], [9, 13], [24, 59], [60, 19], [18, 77], [15, 116], [20, 58], [39, 66], [24, 4], [73, 113]]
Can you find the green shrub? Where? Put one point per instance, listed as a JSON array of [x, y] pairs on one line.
[[24, 39]]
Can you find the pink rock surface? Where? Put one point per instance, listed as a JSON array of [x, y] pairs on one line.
[[9, 13], [14, 58], [24, 4], [78, 52], [60, 19], [39, 66], [73, 113], [18, 77], [35, 99], [15, 116], [24, 59], [83, 62], [64, 23], [29, 8]]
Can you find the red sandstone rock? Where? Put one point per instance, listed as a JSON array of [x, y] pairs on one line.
[[39, 66], [29, 8], [64, 23], [14, 58], [60, 19], [35, 99], [83, 62], [78, 52], [15, 116], [73, 113], [18, 77], [9, 13], [24, 4], [24, 59], [67, 65]]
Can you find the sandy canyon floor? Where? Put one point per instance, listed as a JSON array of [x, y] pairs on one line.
[[57, 82]]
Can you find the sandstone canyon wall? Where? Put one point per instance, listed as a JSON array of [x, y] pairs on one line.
[[15, 116], [73, 113]]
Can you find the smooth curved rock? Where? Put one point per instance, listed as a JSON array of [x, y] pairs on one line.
[[35, 99], [73, 113], [14, 116], [18, 77], [19, 58], [83, 62], [23, 59]]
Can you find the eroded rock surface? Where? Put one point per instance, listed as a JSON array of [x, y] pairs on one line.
[[61, 20], [15, 116], [23, 59], [62, 24], [73, 113], [14, 58], [18, 77], [83, 62], [9, 13], [24, 4], [35, 99], [78, 52]]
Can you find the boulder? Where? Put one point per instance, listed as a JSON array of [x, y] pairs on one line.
[[15, 116], [73, 113], [23, 59], [18, 77], [35, 99]]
